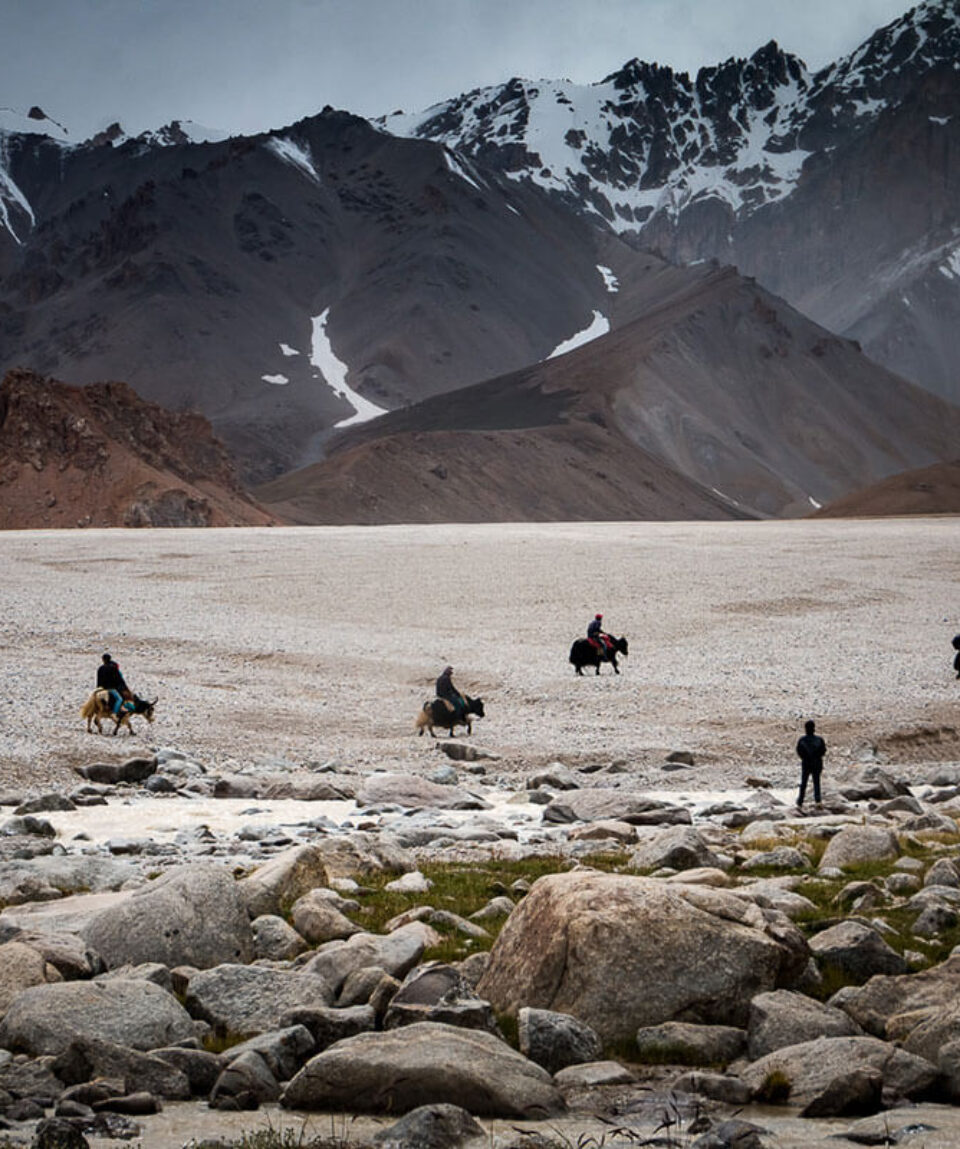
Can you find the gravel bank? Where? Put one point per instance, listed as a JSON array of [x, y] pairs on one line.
[[316, 644]]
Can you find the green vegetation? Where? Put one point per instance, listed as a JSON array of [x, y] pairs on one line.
[[463, 889], [775, 1088]]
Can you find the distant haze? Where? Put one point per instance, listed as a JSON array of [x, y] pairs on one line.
[[250, 65]]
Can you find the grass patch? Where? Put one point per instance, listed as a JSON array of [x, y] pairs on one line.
[[217, 1040], [775, 1088], [463, 890]]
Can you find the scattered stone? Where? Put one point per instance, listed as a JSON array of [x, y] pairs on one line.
[[557, 1040], [239, 999], [682, 1043], [431, 1127], [857, 844], [856, 951], [783, 1018]]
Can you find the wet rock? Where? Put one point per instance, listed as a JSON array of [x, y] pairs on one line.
[[58, 1133], [857, 1093], [139, 1104], [590, 1074], [283, 1050], [431, 1127], [732, 1134], [199, 1067], [717, 1086], [247, 1076], [421, 1065], [111, 773]]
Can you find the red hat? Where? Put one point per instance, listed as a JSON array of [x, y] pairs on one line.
[[598, 616]]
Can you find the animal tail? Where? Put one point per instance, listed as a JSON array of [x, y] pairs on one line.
[[87, 710]]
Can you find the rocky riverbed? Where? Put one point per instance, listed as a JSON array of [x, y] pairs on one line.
[[598, 915]]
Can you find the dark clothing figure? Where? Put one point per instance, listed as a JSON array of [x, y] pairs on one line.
[[810, 749], [449, 693], [110, 678], [596, 633], [956, 657]]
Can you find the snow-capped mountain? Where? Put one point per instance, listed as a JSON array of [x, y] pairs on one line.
[[296, 283], [760, 163]]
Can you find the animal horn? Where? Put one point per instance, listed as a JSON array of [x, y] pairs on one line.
[[155, 701]]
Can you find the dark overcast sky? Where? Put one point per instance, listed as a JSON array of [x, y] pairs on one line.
[[248, 65]]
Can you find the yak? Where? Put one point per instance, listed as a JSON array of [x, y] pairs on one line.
[[437, 712], [584, 653], [99, 706]]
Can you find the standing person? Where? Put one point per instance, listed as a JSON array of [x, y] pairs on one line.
[[956, 657], [810, 749], [449, 693], [110, 678]]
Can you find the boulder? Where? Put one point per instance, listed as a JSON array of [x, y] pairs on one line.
[[110, 773], [870, 782], [396, 953], [593, 1073], [247, 1000], [557, 1040], [679, 847], [200, 1068], [780, 858], [274, 940], [437, 992], [21, 966], [328, 1025], [306, 788], [856, 952], [138, 1014], [785, 1018], [431, 1127], [273, 887], [318, 920], [882, 998], [856, 844], [283, 1050], [87, 1058], [621, 952], [717, 1086], [682, 1043], [853, 1094], [192, 915], [246, 1081], [422, 1065], [811, 1066], [413, 792], [599, 804]]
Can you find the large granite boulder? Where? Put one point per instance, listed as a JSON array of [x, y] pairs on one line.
[[421, 1065], [622, 952], [598, 804], [193, 915], [811, 1066], [139, 1014], [679, 847], [247, 1000]]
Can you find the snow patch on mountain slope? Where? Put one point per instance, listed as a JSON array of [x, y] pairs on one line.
[[598, 326], [334, 371], [293, 153]]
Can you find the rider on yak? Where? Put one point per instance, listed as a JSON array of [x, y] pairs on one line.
[[597, 635], [110, 679], [449, 693]]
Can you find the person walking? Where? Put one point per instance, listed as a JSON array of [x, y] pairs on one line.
[[956, 657], [810, 749]]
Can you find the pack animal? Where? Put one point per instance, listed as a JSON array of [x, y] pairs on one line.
[[585, 653], [440, 713], [98, 707]]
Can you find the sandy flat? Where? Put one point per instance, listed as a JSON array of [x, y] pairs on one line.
[[317, 644]]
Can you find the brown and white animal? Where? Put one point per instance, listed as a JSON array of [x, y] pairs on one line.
[[441, 713], [98, 706]]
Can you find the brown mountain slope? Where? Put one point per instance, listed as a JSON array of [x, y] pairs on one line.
[[539, 474], [101, 456], [928, 491], [717, 380]]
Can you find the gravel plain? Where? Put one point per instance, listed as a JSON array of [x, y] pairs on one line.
[[309, 645]]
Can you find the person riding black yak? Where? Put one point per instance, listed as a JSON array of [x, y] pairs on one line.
[[449, 693], [597, 635]]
